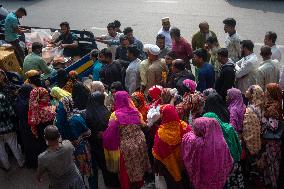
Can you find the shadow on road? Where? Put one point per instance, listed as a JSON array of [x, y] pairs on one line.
[[276, 6]]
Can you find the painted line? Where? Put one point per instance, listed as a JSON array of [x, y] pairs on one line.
[[261, 44], [160, 1], [96, 28]]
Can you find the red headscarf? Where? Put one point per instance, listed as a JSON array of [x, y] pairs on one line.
[[141, 104]]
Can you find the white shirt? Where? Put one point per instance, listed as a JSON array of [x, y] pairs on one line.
[[276, 54], [233, 44], [132, 77], [245, 72], [112, 47], [168, 39], [281, 80], [268, 72]]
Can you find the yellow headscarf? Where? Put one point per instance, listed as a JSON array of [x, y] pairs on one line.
[[58, 93]]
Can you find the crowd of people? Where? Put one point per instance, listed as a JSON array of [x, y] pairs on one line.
[[144, 116]]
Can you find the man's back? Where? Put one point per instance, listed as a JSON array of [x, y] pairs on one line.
[[35, 62], [154, 73], [233, 44], [60, 167], [206, 77], [11, 23], [267, 73]]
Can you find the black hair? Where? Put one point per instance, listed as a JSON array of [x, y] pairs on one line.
[[265, 51], [51, 133], [223, 52], [160, 36], [212, 40], [248, 44], [106, 53], [122, 38], [271, 35], [35, 80], [201, 53], [117, 23], [179, 64], [111, 25], [95, 53], [22, 10], [80, 95], [127, 30], [117, 86], [36, 46], [175, 31], [172, 54], [230, 22], [66, 24], [133, 50]]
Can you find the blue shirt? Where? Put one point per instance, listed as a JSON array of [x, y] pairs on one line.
[[11, 23], [97, 66], [206, 77]]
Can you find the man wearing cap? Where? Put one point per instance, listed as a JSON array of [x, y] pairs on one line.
[[165, 31], [199, 38], [233, 40], [153, 69]]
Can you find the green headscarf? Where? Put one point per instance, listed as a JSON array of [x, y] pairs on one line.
[[230, 136]]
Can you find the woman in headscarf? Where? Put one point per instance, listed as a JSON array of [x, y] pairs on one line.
[[58, 93], [272, 116], [99, 86], [7, 88], [73, 79], [167, 147], [155, 95], [206, 155], [252, 132], [62, 77], [125, 144], [215, 104], [7, 133], [80, 95], [140, 103], [236, 108], [236, 179], [28, 141], [97, 116], [192, 103]]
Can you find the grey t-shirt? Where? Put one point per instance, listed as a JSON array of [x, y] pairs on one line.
[[60, 167]]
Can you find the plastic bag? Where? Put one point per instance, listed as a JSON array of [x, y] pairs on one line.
[[153, 115], [160, 182], [58, 52]]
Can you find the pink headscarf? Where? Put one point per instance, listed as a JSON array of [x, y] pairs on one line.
[[206, 155], [236, 108], [191, 85]]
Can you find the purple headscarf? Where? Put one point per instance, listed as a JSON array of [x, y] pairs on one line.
[[206, 155], [236, 108], [191, 85]]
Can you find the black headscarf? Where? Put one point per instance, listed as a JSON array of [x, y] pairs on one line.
[[62, 77], [80, 96], [97, 117], [215, 104]]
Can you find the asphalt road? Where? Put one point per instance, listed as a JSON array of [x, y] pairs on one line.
[[254, 18]]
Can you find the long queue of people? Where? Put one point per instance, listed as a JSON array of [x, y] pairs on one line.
[[143, 117]]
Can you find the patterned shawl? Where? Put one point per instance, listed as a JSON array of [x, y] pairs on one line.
[[230, 136], [206, 155], [125, 113], [140, 103], [252, 119], [39, 109], [273, 103], [236, 108], [167, 141]]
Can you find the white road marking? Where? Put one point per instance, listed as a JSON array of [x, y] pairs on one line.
[[161, 1], [96, 28], [261, 44]]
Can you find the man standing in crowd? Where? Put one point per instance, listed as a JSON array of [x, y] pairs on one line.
[[34, 61], [107, 39], [181, 47], [111, 71], [160, 42], [205, 74], [180, 73], [199, 39], [212, 48], [227, 73], [13, 30], [132, 78], [246, 67], [121, 51], [268, 72], [233, 40], [128, 31], [67, 41], [151, 69], [270, 40], [165, 31]]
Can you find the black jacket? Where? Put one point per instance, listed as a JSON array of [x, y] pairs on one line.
[[176, 80], [111, 73], [226, 79]]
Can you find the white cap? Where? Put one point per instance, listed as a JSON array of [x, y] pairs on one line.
[[153, 49]]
